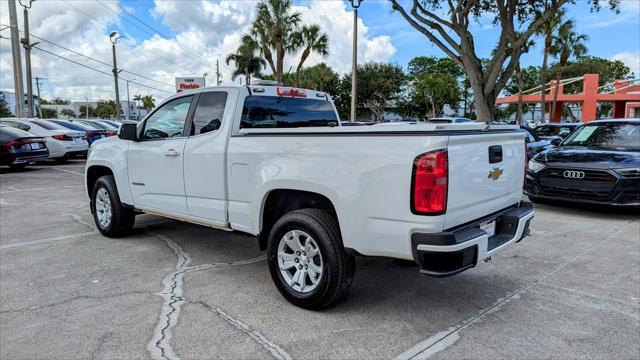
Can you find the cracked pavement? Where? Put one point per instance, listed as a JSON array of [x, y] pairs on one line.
[[174, 290]]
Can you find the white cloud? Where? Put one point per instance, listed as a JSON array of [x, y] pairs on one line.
[[632, 60], [629, 13], [208, 29]]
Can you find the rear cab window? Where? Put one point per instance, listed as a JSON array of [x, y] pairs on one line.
[[260, 112]]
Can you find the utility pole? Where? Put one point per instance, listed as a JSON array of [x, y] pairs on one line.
[[86, 108], [128, 105], [27, 57], [204, 76], [113, 37], [17, 62], [355, 4], [217, 73], [38, 93]]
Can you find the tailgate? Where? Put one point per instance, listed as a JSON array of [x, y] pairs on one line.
[[486, 174]]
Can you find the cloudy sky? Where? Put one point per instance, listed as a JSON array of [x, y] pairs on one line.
[[168, 38]]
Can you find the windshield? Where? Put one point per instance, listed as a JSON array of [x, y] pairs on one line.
[[611, 135], [553, 130], [48, 125]]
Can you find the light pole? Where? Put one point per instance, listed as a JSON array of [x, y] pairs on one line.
[[205, 78], [355, 4], [17, 63], [27, 56], [128, 106], [113, 37]]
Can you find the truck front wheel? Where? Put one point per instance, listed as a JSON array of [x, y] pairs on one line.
[[111, 218], [307, 260]]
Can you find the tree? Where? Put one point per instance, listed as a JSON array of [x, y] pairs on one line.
[[68, 113], [106, 109], [378, 85], [83, 111], [148, 102], [434, 91], [273, 27], [566, 44], [421, 65], [48, 113], [246, 62], [312, 40], [518, 74], [454, 37], [547, 30]]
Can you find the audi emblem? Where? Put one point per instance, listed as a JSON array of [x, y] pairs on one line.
[[573, 174]]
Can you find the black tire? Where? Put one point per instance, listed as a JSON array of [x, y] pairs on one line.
[[338, 267], [122, 218], [18, 166]]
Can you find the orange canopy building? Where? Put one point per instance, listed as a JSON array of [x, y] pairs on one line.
[[623, 94]]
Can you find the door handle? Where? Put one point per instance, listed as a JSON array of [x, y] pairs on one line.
[[172, 152]]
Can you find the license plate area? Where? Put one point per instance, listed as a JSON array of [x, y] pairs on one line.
[[489, 227]]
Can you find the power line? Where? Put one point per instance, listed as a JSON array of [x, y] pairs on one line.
[[191, 52], [100, 71], [99, 61]]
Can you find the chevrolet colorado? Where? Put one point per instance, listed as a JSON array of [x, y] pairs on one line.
[[275, 163]]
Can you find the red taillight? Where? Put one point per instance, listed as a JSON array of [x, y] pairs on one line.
[[12, 143], [429, 183], [62, 137], [291, 92], [111, 133]]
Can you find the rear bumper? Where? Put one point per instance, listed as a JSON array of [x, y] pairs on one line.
[[30, 157], [456, 250]]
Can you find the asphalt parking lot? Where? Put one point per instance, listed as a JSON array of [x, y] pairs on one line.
[[174, 290]]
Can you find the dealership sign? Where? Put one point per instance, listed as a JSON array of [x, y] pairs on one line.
[[189, 83]]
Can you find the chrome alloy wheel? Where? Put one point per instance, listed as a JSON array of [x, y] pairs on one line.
[[103, 208], [300, 261]]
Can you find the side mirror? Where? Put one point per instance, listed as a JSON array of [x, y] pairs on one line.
[[556, 141], [128, 131]]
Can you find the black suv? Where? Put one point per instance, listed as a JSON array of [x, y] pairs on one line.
[[598, 163]]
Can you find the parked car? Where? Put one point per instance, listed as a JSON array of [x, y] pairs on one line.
[[598, 163], [92, 133], [534, 143], [555, 132], [315, 194], [109, 129], [19, 148], [449, 120], [61, 142]]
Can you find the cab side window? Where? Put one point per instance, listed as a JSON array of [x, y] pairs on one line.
[[169, 120], [209, 112]]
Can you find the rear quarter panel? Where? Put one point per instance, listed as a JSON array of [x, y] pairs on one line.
[[366, 177]]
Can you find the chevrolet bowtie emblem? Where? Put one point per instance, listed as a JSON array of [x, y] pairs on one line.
[[495, 173]]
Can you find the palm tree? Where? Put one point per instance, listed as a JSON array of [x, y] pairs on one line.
[[313, 40], [566, 44], [547, 30], [273, 27], [246, 62], [148, 102], [138, 100]]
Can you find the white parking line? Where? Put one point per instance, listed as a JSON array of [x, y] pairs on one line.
[[39, 189], [67, 171], [42, 241]]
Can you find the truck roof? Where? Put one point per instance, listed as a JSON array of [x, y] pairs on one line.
[[264, 90]]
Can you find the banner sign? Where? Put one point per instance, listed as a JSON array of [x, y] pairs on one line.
[[189, 83]]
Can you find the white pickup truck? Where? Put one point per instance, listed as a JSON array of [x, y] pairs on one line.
[[275, 163]]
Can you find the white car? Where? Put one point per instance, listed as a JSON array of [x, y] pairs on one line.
[[275, 163], [62, 142]]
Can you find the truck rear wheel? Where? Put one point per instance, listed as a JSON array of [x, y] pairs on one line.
[[307, 260], [111, 218]]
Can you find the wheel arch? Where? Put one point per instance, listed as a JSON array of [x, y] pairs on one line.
[[94, 172], [278, 202]]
